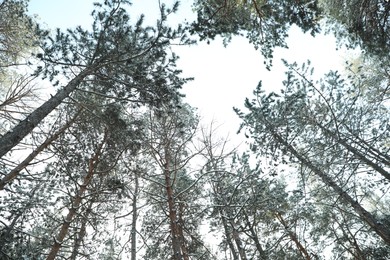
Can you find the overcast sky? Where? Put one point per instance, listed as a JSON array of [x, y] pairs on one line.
[[224, 77]]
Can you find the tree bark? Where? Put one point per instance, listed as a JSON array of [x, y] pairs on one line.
[[175, 232], [355, 152], [76, 201], [134, 220], [263, 255], [21, 130], [15, 172], [293, 236], [80, 235], [366, 216], [237, 240], [181, 230]]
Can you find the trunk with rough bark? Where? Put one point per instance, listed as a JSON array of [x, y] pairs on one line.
[[14, 173], [366, 216], [76, 202], [134, 220], [361, 156], [263, 255], [181, 230], [21, 130], [80, 235], [175, 233], [293, 236], [176, 236]]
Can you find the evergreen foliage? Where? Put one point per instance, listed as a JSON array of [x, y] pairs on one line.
[[115, 165]]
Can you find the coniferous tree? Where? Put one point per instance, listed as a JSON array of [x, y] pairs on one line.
[[317, 127], [174, 192], [115, 55], [264, 23]]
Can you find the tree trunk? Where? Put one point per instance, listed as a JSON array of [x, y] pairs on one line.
[[134, 220], [76, 202], [293, 237], [175, 232], [21, 130], [222, 213], [355, 152], [15, 172], [263, 255], [237, 239], [181, 228], [80, 235], [366, 216], [228, 235]]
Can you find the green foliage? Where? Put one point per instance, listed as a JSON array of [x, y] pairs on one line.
[[364, 23], [136, 141], [171, 131], [337, 127], [264, 23], [17, 33]]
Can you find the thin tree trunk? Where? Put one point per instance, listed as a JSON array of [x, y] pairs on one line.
[[228, 235], [80, 235], [259, 248], [366, 216], [356, 152], [384, 158], [15, 172], [21, 130], [357, 253], [222, 214], [134, 220], [293, 237], [76, 202], [237, 240]]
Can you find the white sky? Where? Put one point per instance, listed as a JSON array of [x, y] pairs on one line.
[[224, 77]]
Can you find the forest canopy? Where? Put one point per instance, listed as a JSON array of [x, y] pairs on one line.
[[114, 164]]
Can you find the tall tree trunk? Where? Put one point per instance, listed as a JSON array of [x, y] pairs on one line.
[[181, 230], [134, 219], [14, 173], [355, 251], [80, 235], [76, 201], [228, 235], [355, 152], [293, 236], [263, 255], [174, 221], [366, 216], [175, 234], [21, 130], [237, 240]]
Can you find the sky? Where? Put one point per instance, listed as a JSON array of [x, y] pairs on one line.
[[224, 77]]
